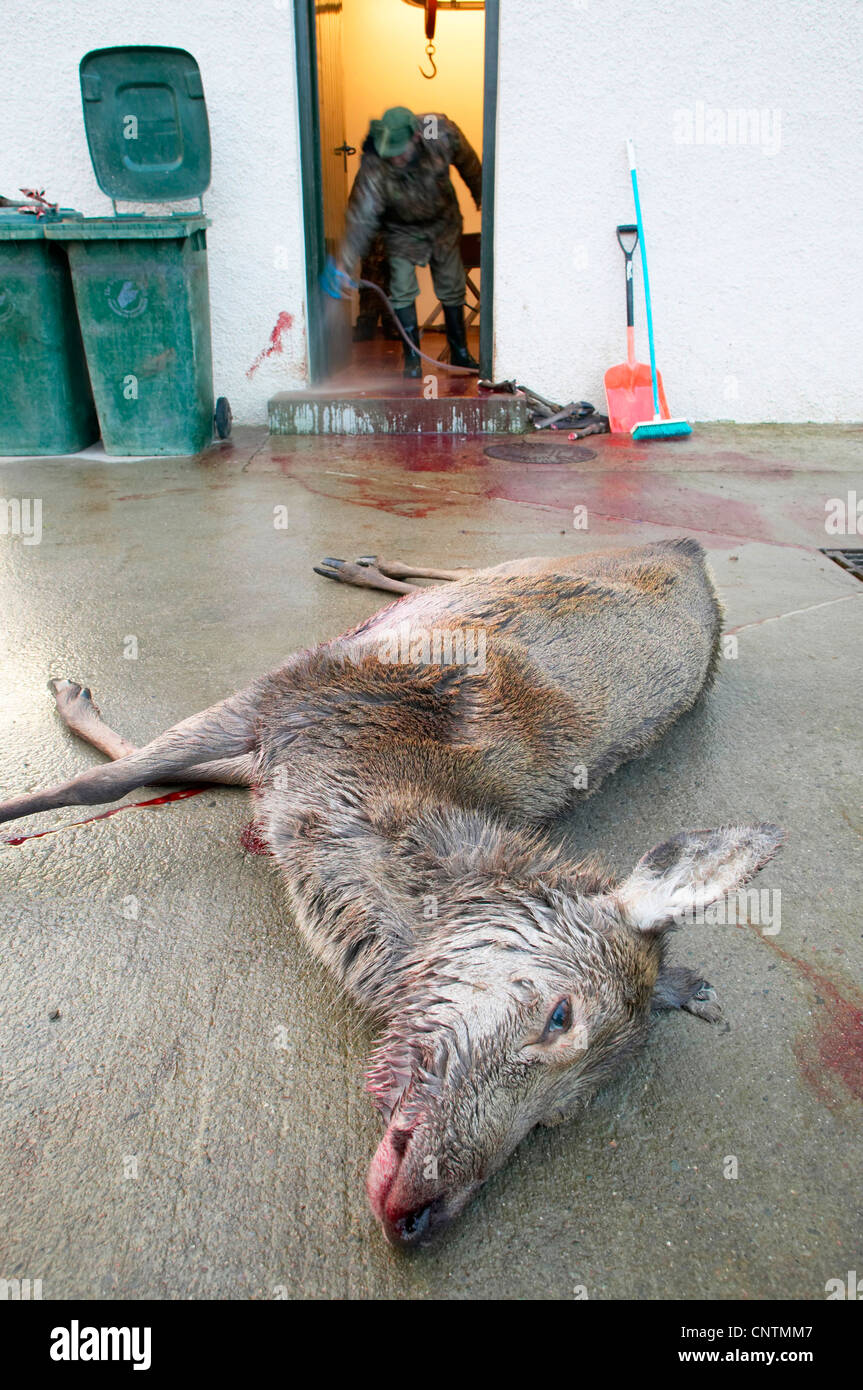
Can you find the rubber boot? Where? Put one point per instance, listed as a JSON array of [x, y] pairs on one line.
[[455, 336], [407, 317]]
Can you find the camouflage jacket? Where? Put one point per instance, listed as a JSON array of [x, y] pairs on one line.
[[415, 208]]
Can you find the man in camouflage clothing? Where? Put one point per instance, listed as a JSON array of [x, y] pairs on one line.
[[403, 190]]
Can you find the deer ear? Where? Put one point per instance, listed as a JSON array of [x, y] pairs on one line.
[[693, 869]]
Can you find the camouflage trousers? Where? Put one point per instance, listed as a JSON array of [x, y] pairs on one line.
[[448, 278]]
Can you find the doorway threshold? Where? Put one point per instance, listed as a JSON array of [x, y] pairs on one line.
[[346, 412]]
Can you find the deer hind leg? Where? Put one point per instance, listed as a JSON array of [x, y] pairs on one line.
[[393, 576], [363, 576], [399, 569], [80, 713], [223, 731]]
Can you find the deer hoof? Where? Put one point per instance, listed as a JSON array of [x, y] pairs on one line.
[[70, 695], [347, 573], [704, 1003]]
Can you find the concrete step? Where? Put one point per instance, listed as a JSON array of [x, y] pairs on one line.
[[312, 412]]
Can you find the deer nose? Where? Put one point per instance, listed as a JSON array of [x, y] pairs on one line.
[[409, 1229]]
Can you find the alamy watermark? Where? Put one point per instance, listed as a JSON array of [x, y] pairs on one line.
[[761, 907], [850, 1288], [21, 516], [844, 515], [77, 1343], [758, 127], [409, 645], [20, 1290]]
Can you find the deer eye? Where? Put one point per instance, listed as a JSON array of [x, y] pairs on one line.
[[560, 1018]]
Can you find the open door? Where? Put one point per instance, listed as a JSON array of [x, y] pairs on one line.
[[329, 159], [334, 169]]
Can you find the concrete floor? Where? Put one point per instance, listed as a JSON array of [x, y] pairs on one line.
[[198, 1046]]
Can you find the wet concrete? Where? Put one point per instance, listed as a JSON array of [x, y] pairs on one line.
[[183, 1113]]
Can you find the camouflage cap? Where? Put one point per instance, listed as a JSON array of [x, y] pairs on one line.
[[393, 133]]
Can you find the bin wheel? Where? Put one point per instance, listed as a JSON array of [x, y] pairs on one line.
[[222, 417]]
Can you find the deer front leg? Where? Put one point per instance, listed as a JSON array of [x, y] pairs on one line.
[[226, 730], [679, 988], [80, 713]]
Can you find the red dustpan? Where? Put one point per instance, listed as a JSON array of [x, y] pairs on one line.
[[629, 386]]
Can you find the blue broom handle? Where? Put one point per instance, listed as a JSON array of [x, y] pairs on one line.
[[631, 152]]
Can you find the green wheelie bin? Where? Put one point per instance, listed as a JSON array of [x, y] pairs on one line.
[[140, 280], [46, 406]]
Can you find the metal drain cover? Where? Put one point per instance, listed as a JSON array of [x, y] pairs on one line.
[[540, 453], [850, 560]]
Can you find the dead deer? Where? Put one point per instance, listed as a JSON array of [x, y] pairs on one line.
[[405, 793]]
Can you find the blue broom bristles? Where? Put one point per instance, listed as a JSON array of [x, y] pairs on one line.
[[661, 429]]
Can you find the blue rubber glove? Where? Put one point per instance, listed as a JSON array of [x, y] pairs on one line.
[[334, 281]]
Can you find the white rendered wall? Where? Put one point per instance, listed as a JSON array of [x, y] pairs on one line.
[[246, 55], [752, 248]]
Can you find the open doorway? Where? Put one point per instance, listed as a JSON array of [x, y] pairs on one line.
[[356, 59]]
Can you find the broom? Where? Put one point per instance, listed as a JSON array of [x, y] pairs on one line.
[[657, 428]]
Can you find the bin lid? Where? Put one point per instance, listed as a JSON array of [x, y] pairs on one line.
[[24, 226], [146, 123], [127, 227], [13, 227]]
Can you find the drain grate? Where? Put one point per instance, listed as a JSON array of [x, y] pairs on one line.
[[850, 560], [540, 453]]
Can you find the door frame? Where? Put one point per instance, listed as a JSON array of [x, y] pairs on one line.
[[312, 186]]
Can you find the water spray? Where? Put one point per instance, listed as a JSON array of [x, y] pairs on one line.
[[334, 280]]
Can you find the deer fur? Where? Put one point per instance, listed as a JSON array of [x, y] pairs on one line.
[[407, 800]]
